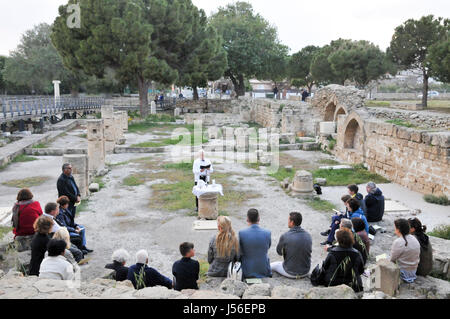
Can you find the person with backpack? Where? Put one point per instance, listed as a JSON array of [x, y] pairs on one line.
[[405, 251], [223, 248], [296, 247], [343, 266], [25, 212]]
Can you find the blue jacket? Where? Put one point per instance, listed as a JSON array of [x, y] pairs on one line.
[[359, 213], [254, 244], [65, 220], [151, 277]]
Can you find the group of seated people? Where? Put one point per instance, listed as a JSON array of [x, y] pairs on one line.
[[48, 230], [344, 264]]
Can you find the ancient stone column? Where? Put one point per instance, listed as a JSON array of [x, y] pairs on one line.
[[79, 171], [153, 107], [109, 132], [303, 183], [118, 129], [96, 146], [177, 112], [124, 121], [208, 206]]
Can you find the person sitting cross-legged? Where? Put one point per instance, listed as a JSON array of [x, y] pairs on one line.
[[186, 270], [296, 248], [77, 232], [56, 266], [119, 258], [143, 276]]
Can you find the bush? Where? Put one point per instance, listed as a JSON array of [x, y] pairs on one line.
[[439, 200], [442, 231]]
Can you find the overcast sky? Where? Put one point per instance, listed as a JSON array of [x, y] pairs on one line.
[[300, 23]]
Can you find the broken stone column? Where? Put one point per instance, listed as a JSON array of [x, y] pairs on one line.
[[153, 107], [302, 183], [124, 118], [79, 171], [208, 206], [177, 112], [387, 277], [118, 129], [96, 146], [109, 132]]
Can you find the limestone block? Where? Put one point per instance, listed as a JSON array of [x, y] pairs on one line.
[[124, 117], [233, 287], [337, 292], [387, 277], [153, 107], [79, 171], [96, 145], [303, 182], [94, 187], [177, 112], [214, 132], [327, 128], [286, 292], [208, 206], [257, 290]]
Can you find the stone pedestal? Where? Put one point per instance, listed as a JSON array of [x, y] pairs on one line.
[[208, 206], [109, 132], [124, 117], [118, 128], [177, 112], [302, 183], [96, 146], [327, 128], [387, 277], [79, 171], [153, 107]]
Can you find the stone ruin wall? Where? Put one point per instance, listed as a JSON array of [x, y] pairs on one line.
[[418, 159]]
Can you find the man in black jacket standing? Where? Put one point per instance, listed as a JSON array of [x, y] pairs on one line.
[[67, 187]]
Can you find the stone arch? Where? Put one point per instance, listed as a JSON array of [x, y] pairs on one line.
[[340, 111], [352, 132], [329, 112]]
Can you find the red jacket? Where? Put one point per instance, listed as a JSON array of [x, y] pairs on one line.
[[27, 217]]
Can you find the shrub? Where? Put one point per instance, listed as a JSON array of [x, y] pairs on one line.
[[442, 231], [439, 200]]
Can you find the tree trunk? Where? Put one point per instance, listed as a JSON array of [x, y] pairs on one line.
[[425, 89], [143, 95], [195, 95], [241, 86]]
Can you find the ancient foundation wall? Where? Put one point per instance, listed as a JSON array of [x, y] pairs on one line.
[[416, 159]]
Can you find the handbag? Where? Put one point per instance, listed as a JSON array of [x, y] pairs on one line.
[[235, 271], [317, 276]]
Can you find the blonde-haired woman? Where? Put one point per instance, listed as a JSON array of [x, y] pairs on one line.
[[63, 234], [223, 248]]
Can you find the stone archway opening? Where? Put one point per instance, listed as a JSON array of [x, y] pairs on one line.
[[341, 111], [329, 112], [352, 137]]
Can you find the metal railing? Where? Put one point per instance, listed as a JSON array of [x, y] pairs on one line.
[[12, 109]]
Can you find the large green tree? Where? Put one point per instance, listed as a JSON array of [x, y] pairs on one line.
[[2, 79], [35, 63], [411, 43], [142, 40], [250, 41], [439, 61], [204, 58], [300, 67]]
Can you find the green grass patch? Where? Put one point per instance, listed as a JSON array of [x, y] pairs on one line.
[[399, 122], [320, 204], [174, 196], [282, 174], [187, 167], [27, 182], [378, 103], [4, 231], [24, 158], [342, 177], [204, 267], [439, 200], [328, 162], [40, 145], [83, 207], [442, 231], [134, 180], [100, 181]]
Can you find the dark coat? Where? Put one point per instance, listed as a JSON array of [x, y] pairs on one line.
[[121, 271], [186, 272], [336, 274], [362, 203], [65, 219], [296, 247], [426, 257], [38, 249], [151, 277], [375, 206], [65, 188]]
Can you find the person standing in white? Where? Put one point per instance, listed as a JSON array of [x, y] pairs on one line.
[[202, 170]]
